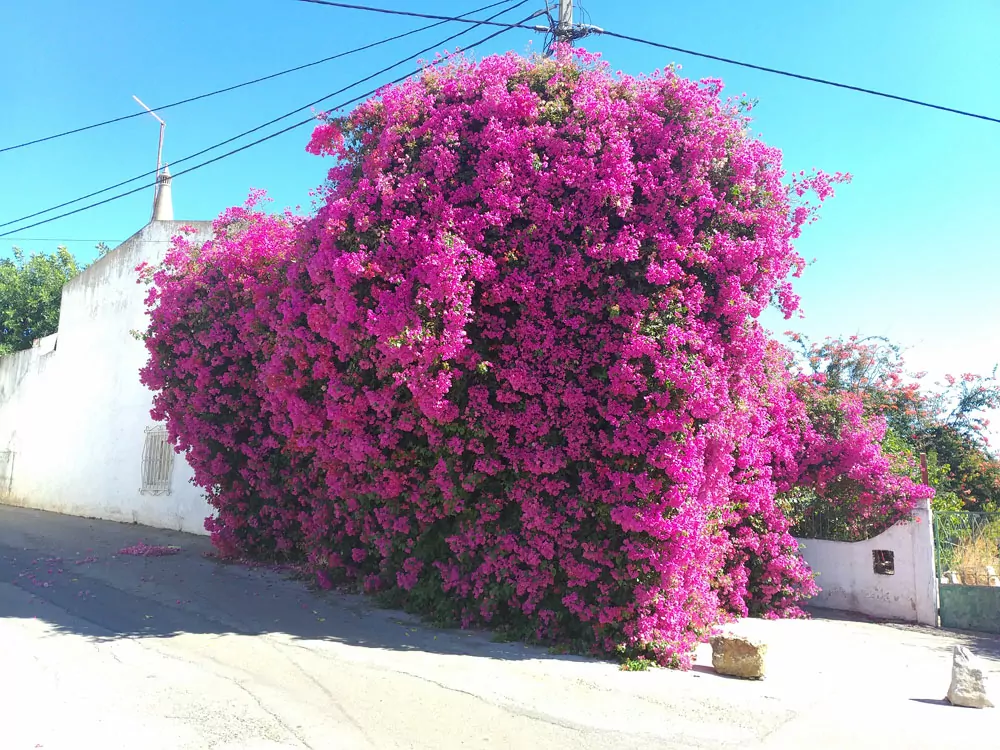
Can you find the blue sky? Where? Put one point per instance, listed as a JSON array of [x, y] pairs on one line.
[[909, 250]]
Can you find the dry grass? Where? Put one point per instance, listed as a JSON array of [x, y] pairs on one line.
[[973, 556]]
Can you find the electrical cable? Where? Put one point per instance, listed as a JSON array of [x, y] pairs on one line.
[[282, 131], [587, 30], [505, 27], [59, 239], [258, 127], [797, 76], [245, 83], [414, 14]]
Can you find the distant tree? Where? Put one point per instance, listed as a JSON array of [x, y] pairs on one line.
[[30, 293], [946, 420]]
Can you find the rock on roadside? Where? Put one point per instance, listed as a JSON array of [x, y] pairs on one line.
[[738, 656], [968, 682]]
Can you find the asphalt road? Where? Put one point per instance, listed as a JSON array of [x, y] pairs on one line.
[[102, 650]]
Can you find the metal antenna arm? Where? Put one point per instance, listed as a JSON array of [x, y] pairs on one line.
[[159, 149]]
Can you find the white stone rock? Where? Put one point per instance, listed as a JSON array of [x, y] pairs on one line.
[[968, 682]]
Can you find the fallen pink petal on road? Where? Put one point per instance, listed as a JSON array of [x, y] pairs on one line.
[[149, 550]]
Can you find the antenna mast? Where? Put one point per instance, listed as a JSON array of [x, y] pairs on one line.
[[159, 149]]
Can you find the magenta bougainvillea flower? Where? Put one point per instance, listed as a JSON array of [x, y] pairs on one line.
[[511, 371]]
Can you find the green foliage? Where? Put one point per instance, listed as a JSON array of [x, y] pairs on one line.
[[30, 293], [967, 472], [871, 368], [638, 664], [945, 499]]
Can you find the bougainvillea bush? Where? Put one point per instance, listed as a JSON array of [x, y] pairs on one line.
[[852, 482], [945, 420], [208, 338], [510, 371]]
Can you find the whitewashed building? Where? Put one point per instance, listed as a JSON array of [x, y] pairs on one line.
[[75, 431]]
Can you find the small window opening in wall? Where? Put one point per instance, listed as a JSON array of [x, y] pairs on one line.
[[157, 462], [883, 562]]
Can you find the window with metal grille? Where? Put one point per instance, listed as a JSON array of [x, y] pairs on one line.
[[157, 461]]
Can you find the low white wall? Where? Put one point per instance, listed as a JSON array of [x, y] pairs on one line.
[[847, 580], [73, 413]]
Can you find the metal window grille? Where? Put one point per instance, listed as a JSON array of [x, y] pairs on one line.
[[157, 462], [836, 527]]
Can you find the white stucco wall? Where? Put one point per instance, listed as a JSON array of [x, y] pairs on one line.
[[72, 408], [848, 582]]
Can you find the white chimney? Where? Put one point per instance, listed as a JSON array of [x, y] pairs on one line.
[[163, 204]]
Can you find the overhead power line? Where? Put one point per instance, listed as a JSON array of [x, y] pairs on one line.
[[414, 14], [799, 76], [60, 239], [227, 89], [285, 116], [586, 29], [290, 127]]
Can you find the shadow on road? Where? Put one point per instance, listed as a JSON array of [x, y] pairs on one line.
[[67, 571], [932, 701], [986, 645]]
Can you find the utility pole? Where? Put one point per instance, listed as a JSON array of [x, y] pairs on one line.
[[564, 29]]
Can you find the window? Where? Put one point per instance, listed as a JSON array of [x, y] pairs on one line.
[[157, 461], [883, 562]]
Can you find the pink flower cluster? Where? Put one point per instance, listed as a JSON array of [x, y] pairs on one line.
[[511, 371], [851, 481]]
